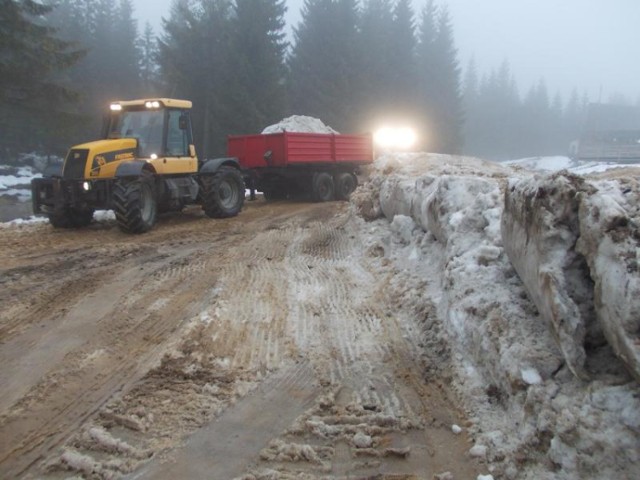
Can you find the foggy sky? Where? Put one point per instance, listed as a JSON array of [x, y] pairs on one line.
[[589, 44]]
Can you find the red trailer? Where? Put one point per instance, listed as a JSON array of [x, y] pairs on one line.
[[281, 164]]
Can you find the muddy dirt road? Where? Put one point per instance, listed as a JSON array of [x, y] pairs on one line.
[[270, 345]]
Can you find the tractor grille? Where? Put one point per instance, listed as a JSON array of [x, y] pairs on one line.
[[75, 163]]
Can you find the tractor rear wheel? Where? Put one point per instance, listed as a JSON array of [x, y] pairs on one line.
[[346, 183], [222, 193], [71, 218], [134, 203], [322, 187]]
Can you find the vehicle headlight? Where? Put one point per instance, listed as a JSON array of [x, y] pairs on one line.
[[401, 138], [86, 186]]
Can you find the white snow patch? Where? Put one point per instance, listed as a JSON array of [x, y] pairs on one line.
[[530, 376], [300, 124], [104, 215], [456, 429], [32, 220], [479, 451], [485, 477], [557, 163], [361, 440]]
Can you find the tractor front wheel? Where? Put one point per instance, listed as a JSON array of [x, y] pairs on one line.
[[134, 203]]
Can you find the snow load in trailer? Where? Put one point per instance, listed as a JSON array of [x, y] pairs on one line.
[[287, 163]]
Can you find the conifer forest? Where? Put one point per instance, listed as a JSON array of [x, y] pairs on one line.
[[350, 63]]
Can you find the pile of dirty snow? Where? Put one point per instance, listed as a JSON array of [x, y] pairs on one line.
[[300, 124], [535, 281]]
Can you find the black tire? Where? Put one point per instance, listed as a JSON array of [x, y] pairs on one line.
[[345, 183], [322, 187], [134, 203], [71, 218], [222, 193]]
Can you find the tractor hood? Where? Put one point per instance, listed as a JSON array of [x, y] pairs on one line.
[[99, 159]]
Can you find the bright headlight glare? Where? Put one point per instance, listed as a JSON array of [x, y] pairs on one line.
[[115, 107], [154, 104], [401, 138], [406, 137], [86, 186], [153, 156]]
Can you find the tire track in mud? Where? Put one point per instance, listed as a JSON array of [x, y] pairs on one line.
[[283, 305], [141, 322], [374, 418], [132, 346]]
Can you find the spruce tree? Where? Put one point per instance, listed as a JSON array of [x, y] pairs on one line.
[[325, 64], [440, 81], [125, 44], [32, 93], [194, 53], [149, 75], [376, 51], [402, 61], [257, 64]]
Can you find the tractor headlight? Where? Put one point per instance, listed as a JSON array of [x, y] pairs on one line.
[[153, 104], [86, 186], [115, 107]]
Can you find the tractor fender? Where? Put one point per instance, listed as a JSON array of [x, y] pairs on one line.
[[133, 168], [212, 166]]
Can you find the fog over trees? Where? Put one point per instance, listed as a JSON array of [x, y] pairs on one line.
[[350, 63]]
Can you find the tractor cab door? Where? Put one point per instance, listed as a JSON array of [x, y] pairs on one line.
[[179, 154]]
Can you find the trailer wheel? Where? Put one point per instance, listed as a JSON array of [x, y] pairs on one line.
[[222, 193], [346, 183], [134, 203], [322, 187], [71, 218]]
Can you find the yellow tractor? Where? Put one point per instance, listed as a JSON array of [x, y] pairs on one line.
[[145, 164]]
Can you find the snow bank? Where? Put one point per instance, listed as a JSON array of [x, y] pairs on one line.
[[576, 248], [508, 258], [299, 123], [539, 231], [609, 240]]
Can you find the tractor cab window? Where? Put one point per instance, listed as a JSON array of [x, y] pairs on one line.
[[178, 134], [144, 125]]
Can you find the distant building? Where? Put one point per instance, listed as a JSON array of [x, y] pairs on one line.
[[610, 132]]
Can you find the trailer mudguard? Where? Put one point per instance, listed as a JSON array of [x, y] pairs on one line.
[[212, 166], [133, 168]]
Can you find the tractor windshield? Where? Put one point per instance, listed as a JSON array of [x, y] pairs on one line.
[[144, 125]]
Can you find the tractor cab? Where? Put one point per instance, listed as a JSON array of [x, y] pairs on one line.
[[161, 128]]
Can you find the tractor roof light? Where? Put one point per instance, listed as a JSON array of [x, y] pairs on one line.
[[152, 104], [115, 107]]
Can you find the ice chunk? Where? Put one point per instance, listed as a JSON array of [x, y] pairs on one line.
[[530, 376]]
